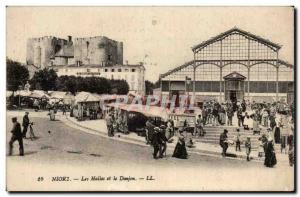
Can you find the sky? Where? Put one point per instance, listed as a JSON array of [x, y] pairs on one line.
[[161, 37]]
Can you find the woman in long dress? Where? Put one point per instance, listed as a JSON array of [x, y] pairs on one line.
[[180, 149], [256, 128], [270, 156], [277, 129]]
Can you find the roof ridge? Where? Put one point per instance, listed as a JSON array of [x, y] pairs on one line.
[[214, 38]]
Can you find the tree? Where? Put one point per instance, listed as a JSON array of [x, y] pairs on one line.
[[119, 86], [66, 83], [149, 86], [17, 74], [81, 84], [104, 87], [44, 80]]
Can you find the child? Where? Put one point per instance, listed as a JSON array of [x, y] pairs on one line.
[[248, 148], [238, 140], [262, 141]]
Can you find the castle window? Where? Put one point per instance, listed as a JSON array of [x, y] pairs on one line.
[[119, 70], [133, 70], [126, 70], [105, 70], [112, 70], [109, 58]]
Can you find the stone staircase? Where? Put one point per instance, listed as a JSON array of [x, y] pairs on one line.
[[213, 135]]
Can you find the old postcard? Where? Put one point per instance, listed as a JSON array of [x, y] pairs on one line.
[[150, 99]]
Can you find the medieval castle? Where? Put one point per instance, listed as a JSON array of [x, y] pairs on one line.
[[86, 57], [49, 51]]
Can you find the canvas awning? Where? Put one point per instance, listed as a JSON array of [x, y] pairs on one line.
[[82, 97], [39, 94], [57, 94], [23, 93], [149, 111]]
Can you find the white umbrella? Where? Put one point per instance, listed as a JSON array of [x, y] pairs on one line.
[[9, 93]]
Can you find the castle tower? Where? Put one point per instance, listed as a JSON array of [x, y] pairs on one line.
[[41, 50]]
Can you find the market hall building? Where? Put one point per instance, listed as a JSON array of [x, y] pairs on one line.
[[234, 65]]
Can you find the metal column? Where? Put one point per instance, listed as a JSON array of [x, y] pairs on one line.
[[277, 71], [221, 64], [220, 84], [248, 67], [194, 77], [248, 84]]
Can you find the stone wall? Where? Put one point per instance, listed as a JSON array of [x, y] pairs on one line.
[[40, 50], [97, 50]]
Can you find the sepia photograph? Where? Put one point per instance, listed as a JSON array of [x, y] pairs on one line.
[[150, 99]]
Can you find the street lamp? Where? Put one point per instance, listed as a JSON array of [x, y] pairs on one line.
[[19, 89]]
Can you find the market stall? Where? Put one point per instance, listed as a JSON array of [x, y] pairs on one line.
[[65, 98], [86, 106]]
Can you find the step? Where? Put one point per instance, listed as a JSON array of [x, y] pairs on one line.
[[217, 142], [242, 146], [233, 134]]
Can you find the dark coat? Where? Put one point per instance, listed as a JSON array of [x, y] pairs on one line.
[[163, 138], [180, 150], [16, 131], [25, 122], [272, 121], [270, 156], [230, 112], [156, 140], [223, 138]]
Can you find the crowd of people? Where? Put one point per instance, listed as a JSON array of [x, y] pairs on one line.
[[277, 120], [157, 133], [116, 121], [251, 116], [267, 145]]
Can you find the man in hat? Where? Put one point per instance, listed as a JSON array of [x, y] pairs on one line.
[[109, 124], [163, 141], [224, 142], [25, 123], [16, 135], [156, 141]]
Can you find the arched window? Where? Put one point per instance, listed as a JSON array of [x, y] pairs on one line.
[[239, 68], [207, 72]]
